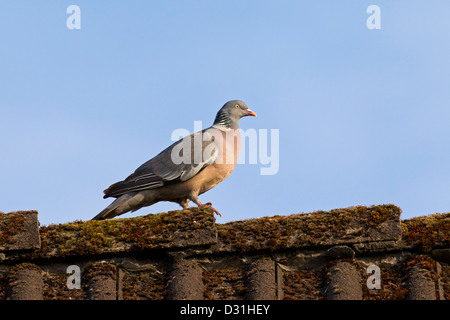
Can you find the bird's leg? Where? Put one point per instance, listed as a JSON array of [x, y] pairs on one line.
[[217, 212], [198, 203], [184, 203]]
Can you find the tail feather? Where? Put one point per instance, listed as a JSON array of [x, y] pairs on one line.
[[115, 208]]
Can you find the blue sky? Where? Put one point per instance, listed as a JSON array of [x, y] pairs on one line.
[[363, 115]]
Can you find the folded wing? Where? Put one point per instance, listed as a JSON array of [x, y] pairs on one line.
[[179, 162]]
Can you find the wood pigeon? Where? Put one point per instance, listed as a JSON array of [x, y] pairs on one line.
[[184, 170]]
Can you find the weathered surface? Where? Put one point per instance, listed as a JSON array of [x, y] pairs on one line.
[[19, 231], [340, 252], [421, 277], [186, 281], [344, 282], [25, 282], [321, 228], [102, 281], [428, 232], [262, 280], [185, 255], [421, 285], [171, 230], [441, 255]]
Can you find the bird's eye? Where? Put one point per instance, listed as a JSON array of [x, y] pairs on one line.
[[236, 106]]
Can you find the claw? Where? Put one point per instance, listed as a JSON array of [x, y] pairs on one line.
[[217, 212], [198, 203]]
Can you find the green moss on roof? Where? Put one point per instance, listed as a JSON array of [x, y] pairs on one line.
[[299, 230], [10, 225], [428, 231], [145, 232], [196, 226]]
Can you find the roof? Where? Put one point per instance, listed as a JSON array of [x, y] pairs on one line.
[[359, 252]]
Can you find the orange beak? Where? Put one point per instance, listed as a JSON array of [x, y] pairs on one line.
[[251, 113]]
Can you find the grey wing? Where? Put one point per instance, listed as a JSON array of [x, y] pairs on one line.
[[179, 162]]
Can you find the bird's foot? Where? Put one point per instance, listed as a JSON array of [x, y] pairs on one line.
[[210, 205], [217, 212]]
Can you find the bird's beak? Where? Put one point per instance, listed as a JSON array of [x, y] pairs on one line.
[[251, 113]]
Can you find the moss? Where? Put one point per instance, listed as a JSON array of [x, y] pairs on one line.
[[224, 284], [144, 286], [392, 286], [10, 225], [378, 214], [445, 278], [150, 231], [80, 237], [423, 261], [320, 227], [23, 266], [12, 276], [428, 231], [55, 288], [3, 285], [302, 285], [392, 281], [100, 268]]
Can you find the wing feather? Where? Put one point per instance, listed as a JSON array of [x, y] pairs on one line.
[[164, 169]]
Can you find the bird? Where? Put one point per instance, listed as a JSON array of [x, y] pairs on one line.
[[184, 170]]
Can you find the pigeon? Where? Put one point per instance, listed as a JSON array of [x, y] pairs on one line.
[[185, 169]]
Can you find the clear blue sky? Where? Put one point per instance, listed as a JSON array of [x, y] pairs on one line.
[[363, 115]]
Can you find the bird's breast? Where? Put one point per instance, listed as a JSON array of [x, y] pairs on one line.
[[214, 174], [228, 143]]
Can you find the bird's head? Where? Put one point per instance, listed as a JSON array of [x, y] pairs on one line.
[[231, 112]]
